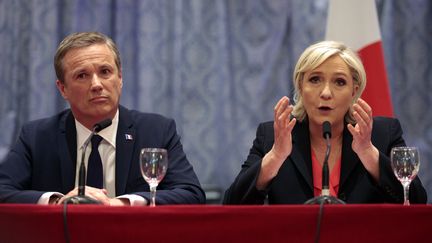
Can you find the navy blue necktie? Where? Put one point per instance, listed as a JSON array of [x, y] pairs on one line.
[[95, 171]]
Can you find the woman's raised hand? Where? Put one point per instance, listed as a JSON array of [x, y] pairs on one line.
[[282, 128]]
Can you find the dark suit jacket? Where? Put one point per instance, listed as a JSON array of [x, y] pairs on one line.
[[44, 159], [294, 182]]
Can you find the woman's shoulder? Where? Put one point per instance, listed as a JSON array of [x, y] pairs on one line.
[[385, 121], [383, 126]]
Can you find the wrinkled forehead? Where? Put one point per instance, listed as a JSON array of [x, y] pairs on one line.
[[88, 59]]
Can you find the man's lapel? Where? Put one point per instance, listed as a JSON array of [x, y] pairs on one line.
[[67, 151], [126, 137]]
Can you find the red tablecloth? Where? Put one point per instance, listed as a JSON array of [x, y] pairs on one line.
[[92, 223]]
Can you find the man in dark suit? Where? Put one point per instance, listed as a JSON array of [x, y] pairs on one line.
[[43, 165]]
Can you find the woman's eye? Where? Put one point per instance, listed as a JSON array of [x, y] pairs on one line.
[[314, 79], [340, 82]]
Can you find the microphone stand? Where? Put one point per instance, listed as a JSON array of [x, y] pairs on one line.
[[81, 198], [325, 197]]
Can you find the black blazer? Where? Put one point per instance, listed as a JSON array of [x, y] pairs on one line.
[[44, 159], [294, 184]]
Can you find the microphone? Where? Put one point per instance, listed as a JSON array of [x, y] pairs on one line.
[[326, 130], [325, 197], [81, 198]]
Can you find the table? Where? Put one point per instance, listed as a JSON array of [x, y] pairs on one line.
[[216, 223]]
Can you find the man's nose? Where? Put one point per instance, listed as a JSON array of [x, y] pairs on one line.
[[96, 82]]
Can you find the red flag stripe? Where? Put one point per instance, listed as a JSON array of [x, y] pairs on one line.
[[377, 88]]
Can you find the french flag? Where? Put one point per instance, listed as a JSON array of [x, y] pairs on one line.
[[355, 23]]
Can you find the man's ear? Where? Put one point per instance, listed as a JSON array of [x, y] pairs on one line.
[[120, 77], [61, 87]]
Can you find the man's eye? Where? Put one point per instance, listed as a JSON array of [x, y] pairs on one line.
[[81, 76], [106, 72]]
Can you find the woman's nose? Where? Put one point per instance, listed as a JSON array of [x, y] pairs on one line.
[[326, 92]]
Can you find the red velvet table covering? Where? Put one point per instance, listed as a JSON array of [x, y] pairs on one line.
[[205, 223]]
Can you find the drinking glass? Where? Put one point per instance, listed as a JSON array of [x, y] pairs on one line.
[[153, 164], [405, 163]]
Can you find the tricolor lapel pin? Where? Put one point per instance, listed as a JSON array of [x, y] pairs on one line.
[[128, 137]]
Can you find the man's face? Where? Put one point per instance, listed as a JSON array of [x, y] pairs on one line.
[[92, 83]]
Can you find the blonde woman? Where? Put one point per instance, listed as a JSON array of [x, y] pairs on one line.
[[285, 161]]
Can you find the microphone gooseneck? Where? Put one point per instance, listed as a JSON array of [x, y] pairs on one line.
[[325, 197], [325, 172], [82, 170], [81, 198]]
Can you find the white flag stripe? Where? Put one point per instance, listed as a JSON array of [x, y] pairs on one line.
[[343, 15], [355, 23]]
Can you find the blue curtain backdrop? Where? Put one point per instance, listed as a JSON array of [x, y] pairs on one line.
[[216, 67]]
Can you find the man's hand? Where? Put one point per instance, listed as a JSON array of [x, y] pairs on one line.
[[119, 202], [94, 193]]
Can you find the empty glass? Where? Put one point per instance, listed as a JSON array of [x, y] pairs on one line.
[[153, 164], [405, 162]]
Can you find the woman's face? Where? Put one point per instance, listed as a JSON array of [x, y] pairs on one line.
[[328, 91]]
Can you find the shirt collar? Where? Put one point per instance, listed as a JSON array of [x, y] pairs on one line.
[[108, 134]]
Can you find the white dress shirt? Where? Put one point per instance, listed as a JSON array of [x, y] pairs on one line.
[[106, 150]]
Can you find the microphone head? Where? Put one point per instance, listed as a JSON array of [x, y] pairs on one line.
[[326, 129], [102, 125]]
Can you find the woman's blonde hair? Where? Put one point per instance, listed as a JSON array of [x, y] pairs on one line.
[[314, 56]]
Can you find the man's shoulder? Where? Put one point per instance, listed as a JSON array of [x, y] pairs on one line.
[[143, 118], [48, 122]]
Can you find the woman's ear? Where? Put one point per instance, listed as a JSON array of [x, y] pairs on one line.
[[355, 89]]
